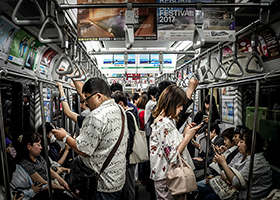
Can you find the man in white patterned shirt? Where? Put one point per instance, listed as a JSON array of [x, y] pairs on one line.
[[98, 136]]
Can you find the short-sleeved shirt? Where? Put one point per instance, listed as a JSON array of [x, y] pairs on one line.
[[99, 134], [38, 166], [164, 141]]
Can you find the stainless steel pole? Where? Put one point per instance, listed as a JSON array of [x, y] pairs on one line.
[[45, 140], [4, 162], [249, 186], [208, 134]]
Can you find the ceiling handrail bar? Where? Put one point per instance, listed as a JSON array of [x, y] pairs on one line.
[[28, 22], [163, 5], [213, 48]]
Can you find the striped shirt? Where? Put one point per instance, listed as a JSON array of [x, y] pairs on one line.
[[38, 166]]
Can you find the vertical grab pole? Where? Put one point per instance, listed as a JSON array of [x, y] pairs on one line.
[[249, 184], [208, 134], [4, 162], [45, 141]]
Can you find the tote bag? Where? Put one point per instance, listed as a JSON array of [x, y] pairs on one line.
[[180, 179], [140, 147], [223, 189]]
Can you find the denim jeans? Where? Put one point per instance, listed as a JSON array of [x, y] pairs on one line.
[[106, 196]]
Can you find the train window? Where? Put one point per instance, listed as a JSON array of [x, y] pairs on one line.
[[268, 124]]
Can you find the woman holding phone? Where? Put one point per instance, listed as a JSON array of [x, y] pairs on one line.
[[262, 175], [165, 141]]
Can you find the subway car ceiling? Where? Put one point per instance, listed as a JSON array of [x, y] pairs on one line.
[[52, 28]]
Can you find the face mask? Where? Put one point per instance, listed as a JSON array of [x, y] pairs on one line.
[[52, 139], [13, 152]]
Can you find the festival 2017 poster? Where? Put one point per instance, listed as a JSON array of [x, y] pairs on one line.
[[178, 23]]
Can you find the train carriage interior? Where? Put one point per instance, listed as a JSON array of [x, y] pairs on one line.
[[231, 47]]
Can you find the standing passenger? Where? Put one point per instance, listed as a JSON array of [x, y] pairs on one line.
[[152, 91], [128, 191], [98, 136], [165, 141]]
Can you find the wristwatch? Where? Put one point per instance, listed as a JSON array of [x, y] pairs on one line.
[[64, 139], [63, 98]]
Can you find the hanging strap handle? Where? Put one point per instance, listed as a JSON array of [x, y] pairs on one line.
[[27, 22], [220, 65], [235, 61], [255, 54], [112, 153]]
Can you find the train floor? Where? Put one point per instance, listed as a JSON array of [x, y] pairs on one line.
[[141, 192]]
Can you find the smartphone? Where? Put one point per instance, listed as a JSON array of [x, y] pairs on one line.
[[215, 149], [36, 183], [19, 194], [53, 126], [195, 144]]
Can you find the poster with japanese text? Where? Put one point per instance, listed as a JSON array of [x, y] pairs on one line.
[[7, 33], [108, 24], [178, 23]]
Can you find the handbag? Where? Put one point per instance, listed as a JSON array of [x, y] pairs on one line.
[[82, 180], [180, 179], [140, 147], [223, 189]]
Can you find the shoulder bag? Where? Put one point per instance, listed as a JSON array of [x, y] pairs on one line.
[[82, 180], [180, 179], [223, 189], [140, 147]]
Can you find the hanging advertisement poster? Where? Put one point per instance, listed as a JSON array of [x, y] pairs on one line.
[[178, 23], [34, 48], [7, 33], [47, 109], [46, 61], [268, 44], [108, 24], [227, 111], [20, 47]]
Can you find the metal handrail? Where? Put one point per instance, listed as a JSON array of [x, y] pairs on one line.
[[28, 22], [198, 31], [208, 70], [82, 78], [70, 69], [235, 61], [77, 70], [220, 65], [255, 54], [48, 40], [3, 156]]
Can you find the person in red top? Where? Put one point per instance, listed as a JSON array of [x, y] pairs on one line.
[[140, 104]]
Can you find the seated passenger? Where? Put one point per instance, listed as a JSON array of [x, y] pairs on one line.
[[215, 140], [262, 175], [34, 164], [56, 153]]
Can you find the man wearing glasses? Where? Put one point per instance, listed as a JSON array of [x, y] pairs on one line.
[[99, 134]]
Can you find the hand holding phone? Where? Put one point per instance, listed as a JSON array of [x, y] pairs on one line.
[[19, 195]]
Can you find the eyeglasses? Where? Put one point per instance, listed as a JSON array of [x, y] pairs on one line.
[[86, 99]]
